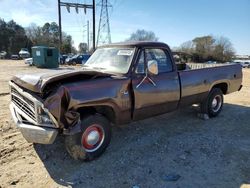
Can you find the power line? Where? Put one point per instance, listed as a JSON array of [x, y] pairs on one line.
[[77, 6]]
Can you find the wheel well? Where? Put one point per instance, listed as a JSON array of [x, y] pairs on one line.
[[222, 86], [106, 111]]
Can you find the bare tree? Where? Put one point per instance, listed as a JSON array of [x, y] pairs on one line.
[[83, 48], [34, 33], [187, 47], [143, 35], [223, 50]]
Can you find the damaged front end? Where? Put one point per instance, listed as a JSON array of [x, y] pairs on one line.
[[61, 106], [35, 122], [43, 106]]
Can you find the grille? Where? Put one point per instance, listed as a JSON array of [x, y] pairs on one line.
[[23, 103]]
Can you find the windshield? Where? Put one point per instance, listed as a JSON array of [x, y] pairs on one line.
[[115, 59]]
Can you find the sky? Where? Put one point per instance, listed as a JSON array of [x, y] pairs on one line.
[[173, 21]]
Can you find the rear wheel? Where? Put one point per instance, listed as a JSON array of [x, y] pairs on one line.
[[213, 104], [92, 141]]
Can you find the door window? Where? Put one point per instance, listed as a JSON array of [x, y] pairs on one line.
[[163, 59], [140, 69]]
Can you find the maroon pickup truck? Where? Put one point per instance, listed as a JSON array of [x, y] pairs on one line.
[[120, 83]]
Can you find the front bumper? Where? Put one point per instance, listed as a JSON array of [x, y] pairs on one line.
[[33, 133]]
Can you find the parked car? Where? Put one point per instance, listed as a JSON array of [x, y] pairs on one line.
[[3, 54], [24, 53], [245, 64], [85, 58], [68, 58], [14, 57], [77, 59], [29, 61], [62, 59], [120, 83]]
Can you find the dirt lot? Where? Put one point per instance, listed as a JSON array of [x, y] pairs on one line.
[[211, 153]]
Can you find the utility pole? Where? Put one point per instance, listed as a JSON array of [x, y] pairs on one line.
[[76, 6], [104, 36], [88, 34], [60, 26], [93, 25]]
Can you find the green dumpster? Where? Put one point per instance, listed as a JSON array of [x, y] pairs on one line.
[[45, 57]]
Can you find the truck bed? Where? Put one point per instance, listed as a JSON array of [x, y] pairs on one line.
[[205, 65], [201, 78]]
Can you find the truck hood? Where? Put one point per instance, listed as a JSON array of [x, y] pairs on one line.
[[37, 82]]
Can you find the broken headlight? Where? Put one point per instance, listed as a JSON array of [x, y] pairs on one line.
[[43, 117]]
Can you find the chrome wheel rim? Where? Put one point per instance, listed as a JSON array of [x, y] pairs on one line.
[[93, 137], [216, 103]]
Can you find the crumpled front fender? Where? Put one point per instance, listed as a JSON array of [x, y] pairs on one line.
[[59, 105]]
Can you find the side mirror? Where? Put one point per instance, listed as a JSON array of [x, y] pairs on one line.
[[153, 67]]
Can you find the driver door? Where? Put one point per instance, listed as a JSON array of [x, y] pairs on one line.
[[155, 94]]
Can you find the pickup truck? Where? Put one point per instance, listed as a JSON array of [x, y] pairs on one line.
[[120, 83]]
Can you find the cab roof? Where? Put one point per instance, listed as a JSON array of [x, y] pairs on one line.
[[138, 44]]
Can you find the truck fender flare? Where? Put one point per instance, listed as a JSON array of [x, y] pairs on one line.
[[222, 84]]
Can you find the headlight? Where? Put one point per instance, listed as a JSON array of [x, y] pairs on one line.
[[43, 117]]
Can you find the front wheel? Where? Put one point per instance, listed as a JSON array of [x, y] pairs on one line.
[[92, 141], [213, 103]]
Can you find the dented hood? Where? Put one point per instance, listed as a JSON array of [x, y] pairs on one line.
[[36, 82]]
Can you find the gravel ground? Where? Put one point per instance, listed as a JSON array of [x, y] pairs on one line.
[[172, 150]]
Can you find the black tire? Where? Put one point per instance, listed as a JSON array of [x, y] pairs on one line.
[[79, 148], [209, 106]]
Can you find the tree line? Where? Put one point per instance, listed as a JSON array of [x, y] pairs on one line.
[[208, 48], [200, 49], [13, 37]]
